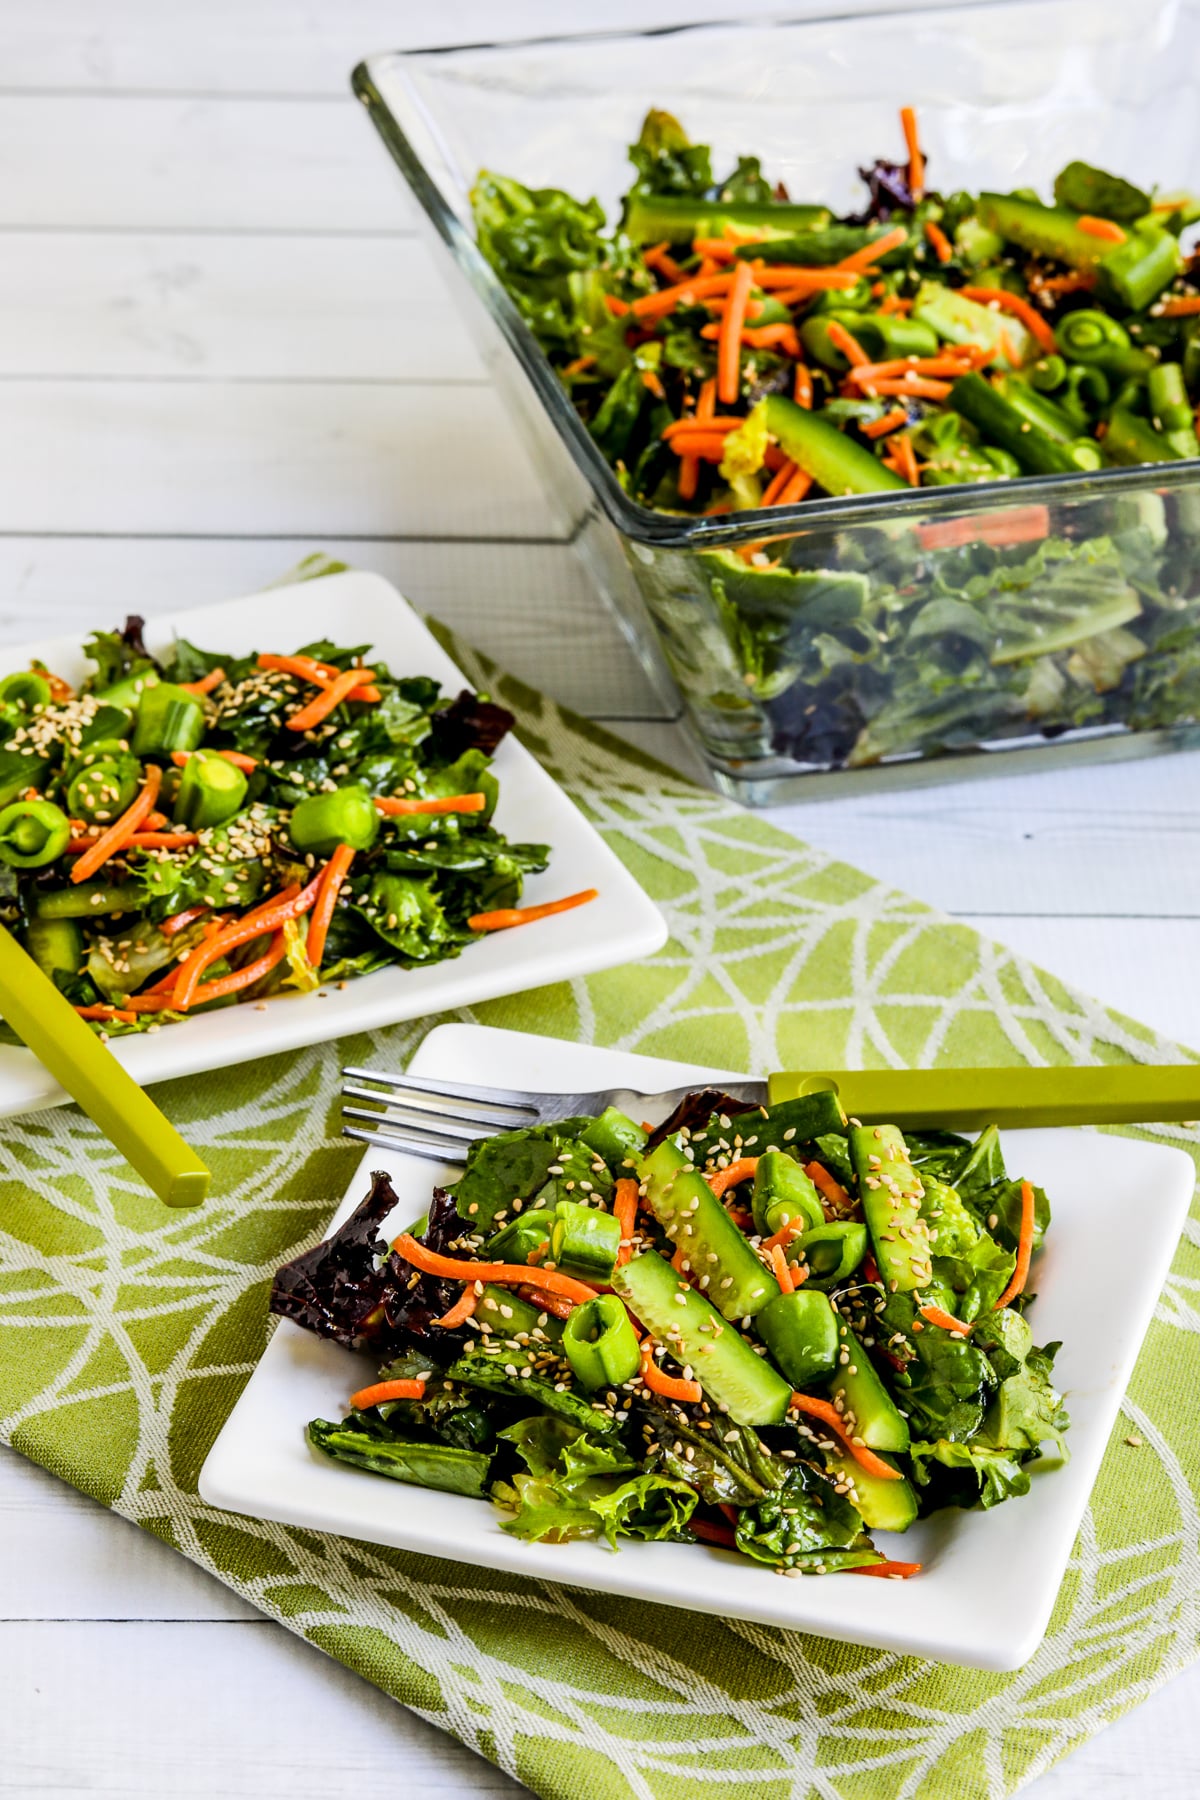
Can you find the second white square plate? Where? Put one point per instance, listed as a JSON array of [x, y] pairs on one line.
[[960, 1609], [622, 925]]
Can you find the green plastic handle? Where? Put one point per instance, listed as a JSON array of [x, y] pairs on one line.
[[969, 1099], [46, 1021]]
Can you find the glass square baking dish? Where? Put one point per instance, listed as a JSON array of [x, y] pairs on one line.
[[856, 655]]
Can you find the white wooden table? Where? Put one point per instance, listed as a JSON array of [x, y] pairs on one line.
[[221, 346]]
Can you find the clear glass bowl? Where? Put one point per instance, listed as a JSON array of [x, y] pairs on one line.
[[896, 638]]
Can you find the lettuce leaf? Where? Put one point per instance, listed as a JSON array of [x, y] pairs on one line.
[[578, 1487], [805, 1515]]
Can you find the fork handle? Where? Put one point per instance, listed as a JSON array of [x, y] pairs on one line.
[[969, 1099]]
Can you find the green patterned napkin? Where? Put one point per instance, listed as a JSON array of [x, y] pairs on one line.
[[128, 1332]]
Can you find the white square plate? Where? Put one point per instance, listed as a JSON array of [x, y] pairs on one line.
[[622, 925], [956, 1610]]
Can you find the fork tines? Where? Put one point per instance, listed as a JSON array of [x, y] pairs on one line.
[[428, 1118]]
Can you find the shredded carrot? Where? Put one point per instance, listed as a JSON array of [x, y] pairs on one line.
[[161, 999], [701, 422], [388, 1390], [503, 1274], [545, 1302], [762, 337], [710, 1532], [916, 161], [59, 689], [949, 362], [906, 457], [658, 258], [802, 390], [729, 344], [625, 1206], [1107, 229], [877, 428], [796, 488], [398, 806], [270, 916], [579, 365], [778, 482], [849, 345], [206, 683], [320, 674], [683, 293], [721, 1180], [891, 303], [180, 920], [336, 870], [1180, 308], [833, 1190], [1024, 1247], [829, 1415], [782, 1268], [327, 700], [247, 764], [1029, 316], [678, 1261], [462, 1309], [120, 832], [858, 260], [1078, 281], [689, 468], [943, 249], [891, 1571], [769, 276], [1013, 525], [946, 1321], [616, 306], [505, 917], [706, 448], [139, 840], [784, 1236], [920, 387], [653, 385], [669, 1386], [117, 1013]]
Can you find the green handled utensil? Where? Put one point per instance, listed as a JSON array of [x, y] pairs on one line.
[[46, 1021], [969, 1099]]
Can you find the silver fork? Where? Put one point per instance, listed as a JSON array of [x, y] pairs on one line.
[[438, 1119]]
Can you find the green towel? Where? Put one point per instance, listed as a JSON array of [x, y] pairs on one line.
[[128, 1331]]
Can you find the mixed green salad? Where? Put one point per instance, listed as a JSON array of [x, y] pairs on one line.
[[773, 1330], [195, 829], [733, 350]]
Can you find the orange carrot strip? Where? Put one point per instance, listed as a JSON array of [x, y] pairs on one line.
[[388, 1390], [761, 337], [549, 1303], [659, 259], [906, 456], [653, 385], [833, 1190], [1180, 308], [943, 249], [949, 362], [247, 764], [616, 306], [700, 421], [139, 840], [849, 345], [916, 160], [163, 1001], [669, 1386], [326, 701], [1078, 281], [579, 365], [729, 343], [829, 1415], [206, 683], [395, 806], [1029, 316], [921, 388], [625, 1206], [686, 292], [336, 870], [709, 448], [503, 1274], [783, 1237], [505, 917], [721, 1180], [689, 468], [180, 920], [785, 275], [802, 390], [1107, 229], [119, 1013], [891, 1571], [945, 1320], [778, 482], [890, 421], [858, 260], [1014, 525], [796, 488], [462, 1309], [783, 1271], [1024, 1248], [267, 917], [119, 833], [319, 673]]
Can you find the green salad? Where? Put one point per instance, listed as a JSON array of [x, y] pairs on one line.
[[196, 829], [775, 1331], [733, 350]]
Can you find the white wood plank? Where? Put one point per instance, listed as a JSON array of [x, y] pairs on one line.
[[87, 161], [220, 1712], [277, 47], [531, 606], [329, 459], [193, 306], [62, 1556]]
